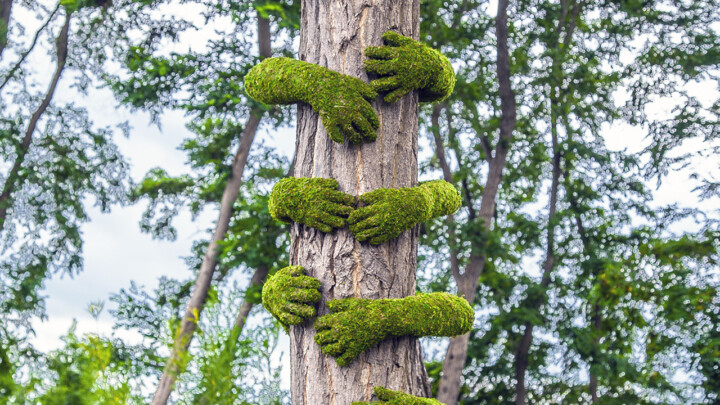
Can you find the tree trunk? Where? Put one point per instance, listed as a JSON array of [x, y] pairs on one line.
[[334, 34], [10, 181], [5, 6], [454, 362], [196, 304]]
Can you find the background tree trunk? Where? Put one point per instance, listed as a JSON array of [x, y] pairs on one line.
[[195, 305], [467, 282], [334, 34]]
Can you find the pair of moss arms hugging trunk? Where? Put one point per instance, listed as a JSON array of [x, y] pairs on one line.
[[343, 104]]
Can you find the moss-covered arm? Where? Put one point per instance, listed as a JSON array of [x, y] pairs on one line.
[[358, 324], [290, 296], [406, 65], [342, 101], [389, 212], [313, 202], [389, 397]]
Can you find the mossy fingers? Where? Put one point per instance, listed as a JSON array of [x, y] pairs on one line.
[[313, 202], [396, 95], [366, 224], [306, 283], [335, 97], [338, 209], [332, 349], [389, 212], [290, 296], [303, 311], [320, 226], [369, 114], [395, 39], [304, 296], [375, 234], [361, 214], [406, 65], [380, 67], [363, 126], [381, 52], [325, 338], [386, 84], [353, 136], [347, 358], [338, 197]]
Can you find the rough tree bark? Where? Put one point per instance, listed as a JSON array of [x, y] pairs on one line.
[[10, 185], [334, 34], [197, 300], [454, 362]]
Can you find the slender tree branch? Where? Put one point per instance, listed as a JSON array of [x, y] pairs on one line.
[[174, 365], [455, 357], [447, 175], [22, 150], [30, 49]]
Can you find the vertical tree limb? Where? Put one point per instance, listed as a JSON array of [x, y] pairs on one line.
[[454, 362], [12, 178], [196, 304]]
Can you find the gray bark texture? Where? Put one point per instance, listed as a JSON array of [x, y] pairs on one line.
[[334, 34]]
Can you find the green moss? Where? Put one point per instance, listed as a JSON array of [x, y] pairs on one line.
[[389, 212], [289, 295], [358, 324], [389, 397], [406, 65], [341, 101], [313, 202]]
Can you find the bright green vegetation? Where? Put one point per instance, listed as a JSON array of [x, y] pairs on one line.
[[357, 324], [342, 101], [406, 65], [290, 295], [389, 212], [313, 202], [390, 397]]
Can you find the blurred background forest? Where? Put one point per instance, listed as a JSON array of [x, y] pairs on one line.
[[120, 122]]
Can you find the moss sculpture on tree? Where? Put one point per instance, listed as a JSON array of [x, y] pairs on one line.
[[342, 101], [406, 65], [357, 324], [312, 202], [343, 104], [389, 397], [387, 212]]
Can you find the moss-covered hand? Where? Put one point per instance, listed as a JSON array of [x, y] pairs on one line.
[[406, 65], [313, 202], [290, 296], [389, 397], [389, 212], [341, 101], [356, 324]]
